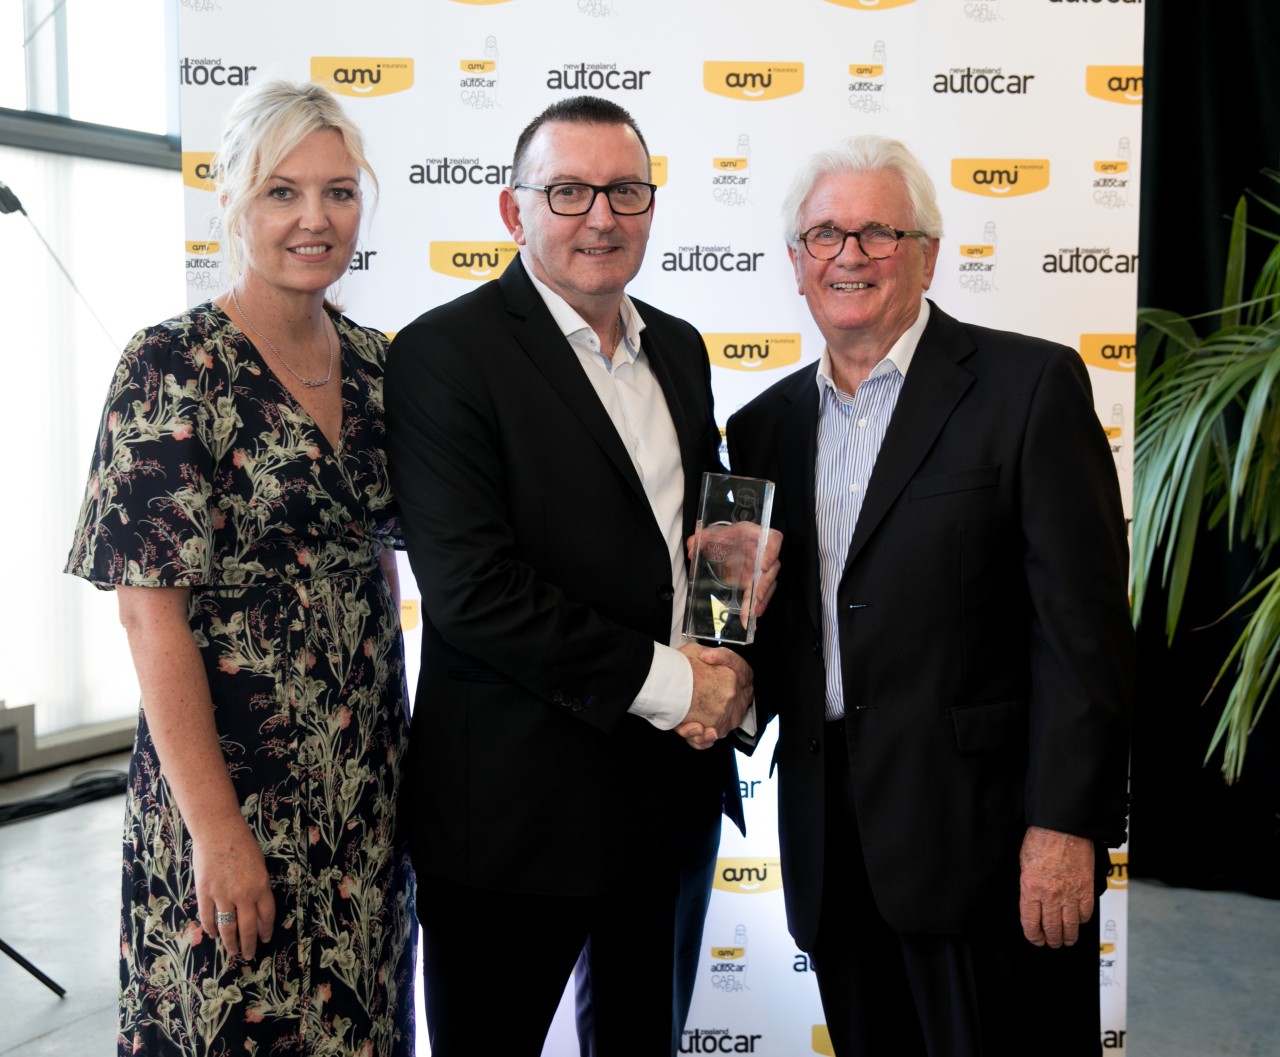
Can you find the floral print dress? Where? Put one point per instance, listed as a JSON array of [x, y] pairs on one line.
[[207, 474]]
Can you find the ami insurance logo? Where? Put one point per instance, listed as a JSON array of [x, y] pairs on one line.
[[361, 77], [472, 260], [197, 169], [752, 352], [1000, 177], [1114, 84], [871, 5], [1110, 352], [753, 81], [748, 876], [868, 86], [478, 77]]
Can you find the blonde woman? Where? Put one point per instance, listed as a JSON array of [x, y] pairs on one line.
[[238, 504]]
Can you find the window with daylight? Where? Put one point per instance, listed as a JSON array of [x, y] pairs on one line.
[[91, 227]]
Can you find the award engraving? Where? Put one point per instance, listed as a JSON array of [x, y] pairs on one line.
[[728, 552]]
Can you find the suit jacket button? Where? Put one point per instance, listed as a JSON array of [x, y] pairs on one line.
[[815, 746], [667, 593], [558, 697]]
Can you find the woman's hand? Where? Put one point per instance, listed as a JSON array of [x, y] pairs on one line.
[[231, 881]]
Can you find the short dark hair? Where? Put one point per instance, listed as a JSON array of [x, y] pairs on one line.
[[579, 110]]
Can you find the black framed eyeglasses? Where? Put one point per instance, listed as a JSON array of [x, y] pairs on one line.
[[627, 199], [876, 241]]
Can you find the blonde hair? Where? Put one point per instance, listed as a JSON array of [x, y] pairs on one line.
[[265, 126]]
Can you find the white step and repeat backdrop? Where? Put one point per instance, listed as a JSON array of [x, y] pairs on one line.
[[1026, 113]]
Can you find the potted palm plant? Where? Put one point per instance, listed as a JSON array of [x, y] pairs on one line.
[[1207, 454]]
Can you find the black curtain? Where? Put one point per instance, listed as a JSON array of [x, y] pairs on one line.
[[1211, 122]]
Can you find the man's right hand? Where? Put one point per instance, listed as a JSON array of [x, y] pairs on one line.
[[722, 692]]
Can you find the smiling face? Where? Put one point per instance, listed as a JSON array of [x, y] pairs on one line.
[[863, 305], [588, 260], [300, 230]]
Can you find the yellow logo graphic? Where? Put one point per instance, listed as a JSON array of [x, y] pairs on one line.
[[752, 352], [748, 876], [1106, 948], [1118, 871], [1111, 168], [203, 249], [475, 66], [408, 614], [1112, 432], [1000, 177], [753, 81], [197, 169], [729, 164], [362, 76], [1110, 352], [867, 70], [821, 1037], [658, 169], [472, 260], [977, 251], [1115, 84], [728, 954], [871, 5]]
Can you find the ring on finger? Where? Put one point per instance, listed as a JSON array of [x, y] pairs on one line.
[[225, 917]]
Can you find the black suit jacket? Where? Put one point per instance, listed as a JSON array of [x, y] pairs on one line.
[[985, 643], [545, 581]]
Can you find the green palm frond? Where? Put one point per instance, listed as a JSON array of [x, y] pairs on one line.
[[1208, 450]]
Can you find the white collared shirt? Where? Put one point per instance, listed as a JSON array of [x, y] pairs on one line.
[[636, 406], [851, 429]]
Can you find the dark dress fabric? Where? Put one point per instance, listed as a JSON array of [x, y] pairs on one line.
[[207, 474]]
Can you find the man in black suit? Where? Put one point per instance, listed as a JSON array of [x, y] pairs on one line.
[[949, 649], [547, 435]]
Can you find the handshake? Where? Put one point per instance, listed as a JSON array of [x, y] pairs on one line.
[[723, 686], [723, 689]]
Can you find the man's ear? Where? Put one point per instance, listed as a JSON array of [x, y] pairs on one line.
[[510, 210]]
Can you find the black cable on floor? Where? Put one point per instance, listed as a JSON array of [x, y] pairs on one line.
[[92, 785]]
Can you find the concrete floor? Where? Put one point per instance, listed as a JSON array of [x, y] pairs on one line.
[[1204, 967]]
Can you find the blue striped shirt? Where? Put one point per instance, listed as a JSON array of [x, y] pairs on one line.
[[850, 432]]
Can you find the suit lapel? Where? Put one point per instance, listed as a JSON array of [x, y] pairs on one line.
[[797, 449], [934, 385], [538, 336]]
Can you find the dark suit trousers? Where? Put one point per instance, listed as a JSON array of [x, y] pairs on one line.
[[986, 993], [496, 965], [694, 855]]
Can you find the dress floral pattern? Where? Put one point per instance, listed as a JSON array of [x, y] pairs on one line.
[[207, 474]]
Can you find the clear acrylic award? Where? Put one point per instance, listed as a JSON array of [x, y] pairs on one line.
[[728, 553]]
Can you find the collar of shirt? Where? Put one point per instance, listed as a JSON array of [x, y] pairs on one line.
[[579, 331], [898, 358]]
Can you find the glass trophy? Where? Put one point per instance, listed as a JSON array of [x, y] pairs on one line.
[[728, 552]]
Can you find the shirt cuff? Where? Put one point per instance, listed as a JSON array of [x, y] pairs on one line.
[[667, 693]]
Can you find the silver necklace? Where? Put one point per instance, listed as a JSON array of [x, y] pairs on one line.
[[310, 383]]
